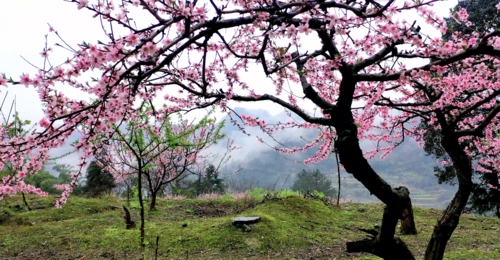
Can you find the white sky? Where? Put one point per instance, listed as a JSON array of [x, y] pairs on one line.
[[23, 26]]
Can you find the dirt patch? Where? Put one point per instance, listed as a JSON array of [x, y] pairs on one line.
[[215, 209]]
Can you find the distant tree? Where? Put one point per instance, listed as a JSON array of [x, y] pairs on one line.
[[125, 186], [65, 171], [99, 181], [47, 185], [209, 182], [184, 186], [37, 179], [483, 17], [313, 180]]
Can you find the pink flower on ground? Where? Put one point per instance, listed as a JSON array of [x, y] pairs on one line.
[[498, 6]]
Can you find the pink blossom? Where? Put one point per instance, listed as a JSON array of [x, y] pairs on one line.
[[44, 122], [3, 82], [82, 4], [25, 80]]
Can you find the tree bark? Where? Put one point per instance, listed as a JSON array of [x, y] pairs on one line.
[[451, 216], [128, 219], [141, 202], [152, 206], [408, 222], [396, 200]]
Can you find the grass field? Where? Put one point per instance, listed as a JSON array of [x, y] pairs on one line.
[[292, 228]]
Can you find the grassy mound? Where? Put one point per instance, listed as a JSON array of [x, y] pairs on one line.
[[291, 228]]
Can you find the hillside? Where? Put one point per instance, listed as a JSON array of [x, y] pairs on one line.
[[406, 166], [292, 228]]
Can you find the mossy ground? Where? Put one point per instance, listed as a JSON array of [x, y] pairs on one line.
[[291, 228]]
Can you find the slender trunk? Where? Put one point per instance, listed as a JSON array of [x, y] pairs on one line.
[[26, 202], [451, 216], [128, 195], [141, 203], [338, 175], [396, 199]]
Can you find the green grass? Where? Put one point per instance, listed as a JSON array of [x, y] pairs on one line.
[[291, 228]]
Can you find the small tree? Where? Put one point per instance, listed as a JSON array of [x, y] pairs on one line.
[[313, 180], [157, 151], [209, 182]]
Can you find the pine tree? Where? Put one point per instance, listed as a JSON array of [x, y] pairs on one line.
[[313, 181], [98, 180], [210, 182]]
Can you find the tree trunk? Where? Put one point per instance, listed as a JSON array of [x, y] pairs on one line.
[[338, 175], [152, 206], [141, 202], [396, 200], [407, 221], [26, 202], [129, 224], [451, 216], [128, 194]]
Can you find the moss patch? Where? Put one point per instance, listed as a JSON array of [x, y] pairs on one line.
[[291, 228]]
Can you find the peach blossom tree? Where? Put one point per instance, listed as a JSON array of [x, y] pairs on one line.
[[340, 66]]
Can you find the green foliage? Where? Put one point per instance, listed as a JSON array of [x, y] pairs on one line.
[[313, 181], [189, 191], [482, 14], [47, 185], [210, 183], [319, 194], [98, 180], [37, 179], [257, 193]]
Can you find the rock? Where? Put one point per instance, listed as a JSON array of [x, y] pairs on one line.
[[246, 220]]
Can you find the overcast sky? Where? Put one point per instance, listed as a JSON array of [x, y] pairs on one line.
[[23, 26]]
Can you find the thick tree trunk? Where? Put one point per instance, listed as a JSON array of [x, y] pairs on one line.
[[451, 216], [152, 206], [396, 200], [408, 222]]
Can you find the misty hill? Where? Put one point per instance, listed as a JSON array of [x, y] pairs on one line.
[[406, 166]]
